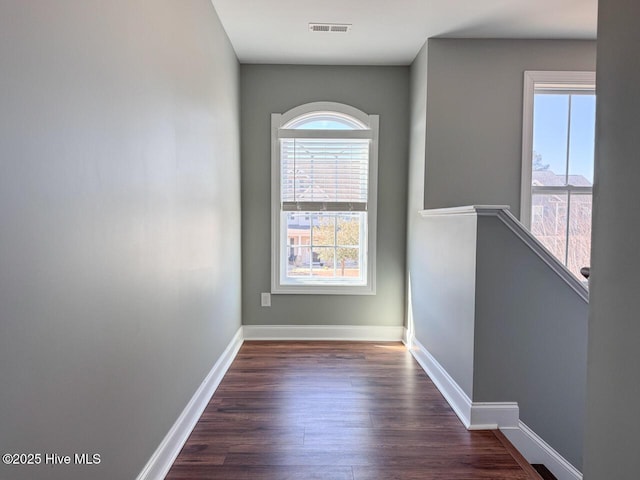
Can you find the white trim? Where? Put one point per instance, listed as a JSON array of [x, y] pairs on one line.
[[301, 133], [473, 415], [328, 289], [538, 248], [278, 251], [372, 198], [531, 77], [535, 189], [407, 338], [308, 108], [491, 416], [535, 450], [512, 223], [494, 415], [162, 459], [324, 332], [466, 210], [527, 149], [457, 399]]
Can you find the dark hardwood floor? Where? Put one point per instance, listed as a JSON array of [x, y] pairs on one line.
[[335, 410]]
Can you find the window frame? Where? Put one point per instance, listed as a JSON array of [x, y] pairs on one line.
[[371, 124], [564, 80], [571, 82]]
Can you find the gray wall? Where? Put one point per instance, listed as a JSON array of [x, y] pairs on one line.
[[417, 142], [443, 291], [503, 325], [613, 383], [415, 186], [474, 115], [119, 224], [530, 339], [267, 89], [473, 95]]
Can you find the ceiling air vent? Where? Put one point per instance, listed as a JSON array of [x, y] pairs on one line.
[[330, 27]]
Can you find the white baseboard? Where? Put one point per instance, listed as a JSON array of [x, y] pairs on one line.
[[494, 415], [407, 337], [323, 332], [453, 394], [160, 462], [536, 450], [473, 415]]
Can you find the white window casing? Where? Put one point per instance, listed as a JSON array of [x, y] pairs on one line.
[[571, 193], [320, 173], [538, 80]]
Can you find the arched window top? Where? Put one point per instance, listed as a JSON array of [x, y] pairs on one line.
[[325, 116], [325, 121]]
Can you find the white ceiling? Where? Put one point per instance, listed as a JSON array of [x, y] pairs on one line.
[[390, 32]]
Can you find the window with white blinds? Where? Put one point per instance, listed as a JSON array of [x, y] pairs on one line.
[[324, 170], [324, 174]]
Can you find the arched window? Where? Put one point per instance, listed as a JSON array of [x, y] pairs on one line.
[[324, 169]]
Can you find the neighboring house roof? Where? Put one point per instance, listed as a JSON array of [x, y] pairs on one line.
[[548, 178], [579, 181]]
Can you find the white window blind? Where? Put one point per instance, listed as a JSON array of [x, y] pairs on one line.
[[324, 174]]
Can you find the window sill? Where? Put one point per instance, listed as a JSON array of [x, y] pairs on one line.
[[323, 290]]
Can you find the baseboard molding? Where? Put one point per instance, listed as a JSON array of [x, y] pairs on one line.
[[473, 415], [323, 332], [494, 415], [536, 450], [451, 391], [160, 462], [407, 337]]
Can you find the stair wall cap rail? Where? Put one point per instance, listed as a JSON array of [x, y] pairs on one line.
[[539, 249], [464, 210], [510, 221]]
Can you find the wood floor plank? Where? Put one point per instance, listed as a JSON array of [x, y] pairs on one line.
[[335, 410], [411, 473], [526, 466], [245, 472], [426, 437]]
